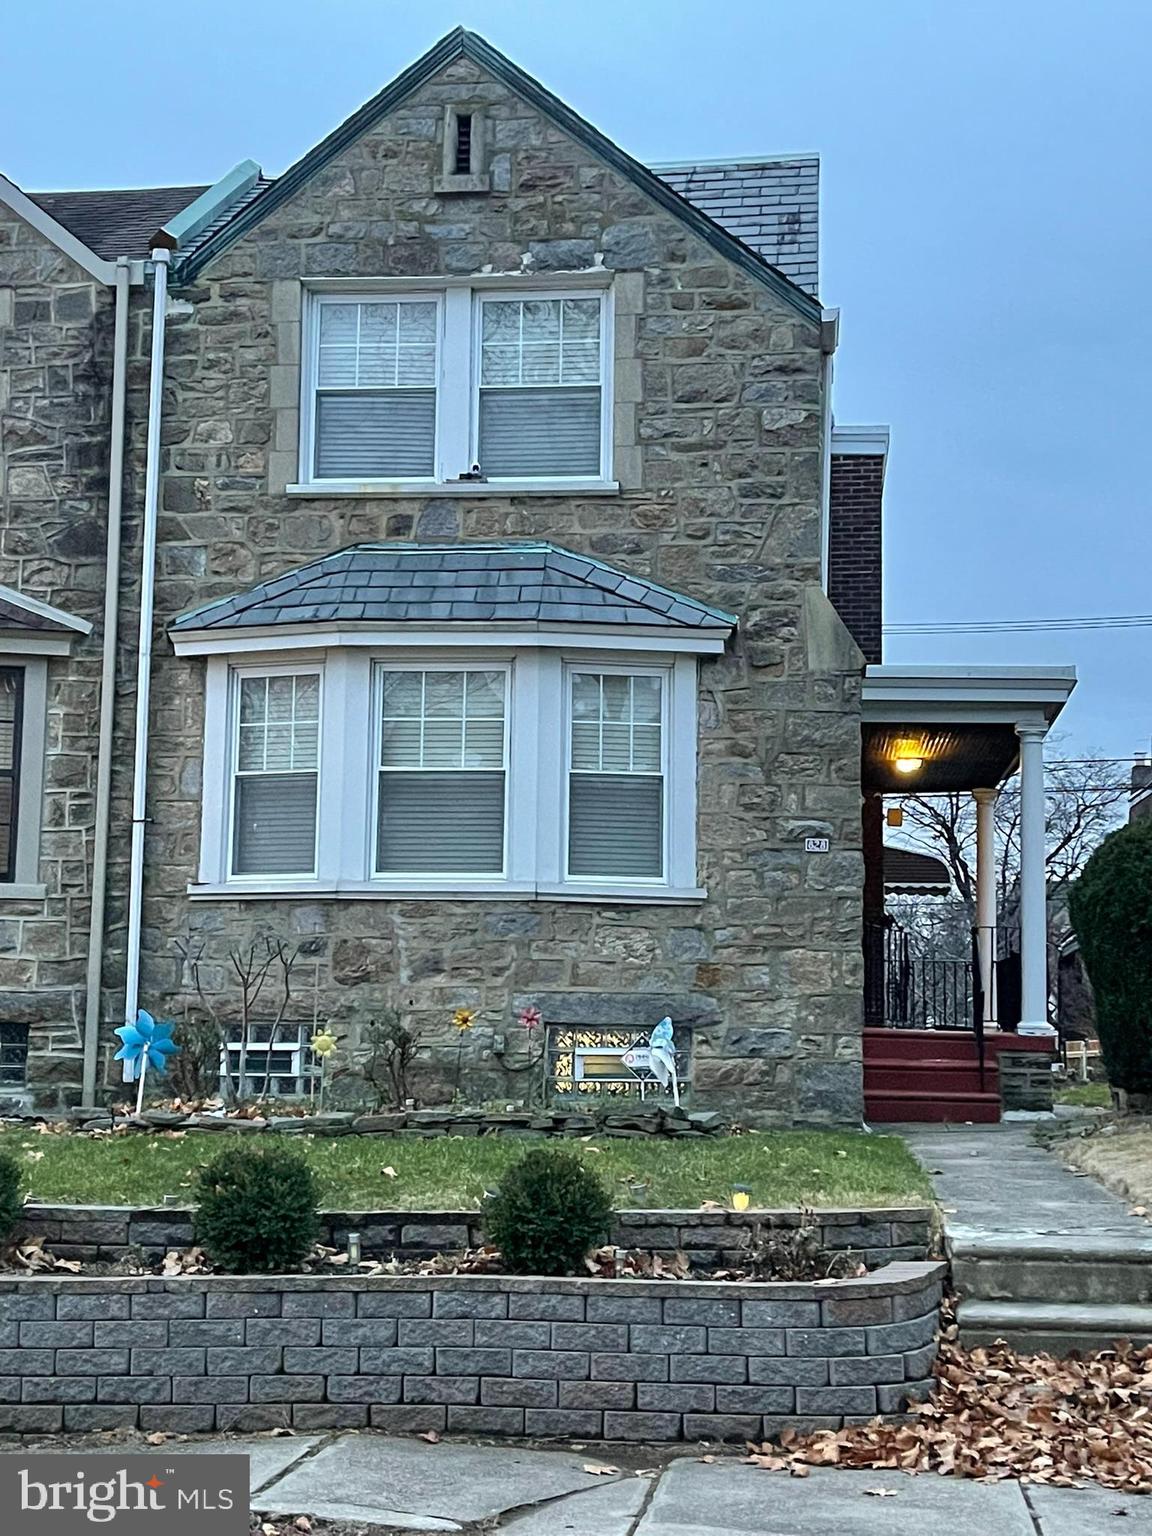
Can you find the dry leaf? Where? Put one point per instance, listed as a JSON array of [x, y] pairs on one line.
[[431, 1436], [599, 1469], [156, 1439], [389, 1172], [281, 1431], [880, 1493]]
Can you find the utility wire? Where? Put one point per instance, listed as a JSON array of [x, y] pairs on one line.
[[1017, 626]]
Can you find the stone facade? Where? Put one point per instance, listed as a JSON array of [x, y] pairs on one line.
[[493, 1355], [55, 363], [718, 438]]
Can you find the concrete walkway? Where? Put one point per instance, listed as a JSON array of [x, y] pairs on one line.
[[996, 1178], [409, 1485]]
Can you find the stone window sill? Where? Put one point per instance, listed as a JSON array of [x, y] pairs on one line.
[[312, 890], [410, 489], [14, 891]]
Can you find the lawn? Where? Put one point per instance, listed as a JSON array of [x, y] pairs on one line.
[[1084, 1095], [780, 1168], [1121, 1161]]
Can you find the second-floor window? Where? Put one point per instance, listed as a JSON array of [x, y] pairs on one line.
[[458, 385]]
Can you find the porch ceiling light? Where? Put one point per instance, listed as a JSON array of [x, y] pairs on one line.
[[908, 757]]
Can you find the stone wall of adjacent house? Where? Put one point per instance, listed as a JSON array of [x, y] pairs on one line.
[[612, 1359], [710, 1239], [55, 364], [718, 431]]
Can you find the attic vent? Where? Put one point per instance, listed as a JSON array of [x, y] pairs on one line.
[[463, 163], [463, 168]]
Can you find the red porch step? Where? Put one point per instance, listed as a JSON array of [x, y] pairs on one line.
[[951, 1108], [930, 1076]]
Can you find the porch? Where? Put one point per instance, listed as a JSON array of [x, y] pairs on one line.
[[944, 1026]]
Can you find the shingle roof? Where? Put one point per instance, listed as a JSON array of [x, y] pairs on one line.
[[771, 204], [15, 616], [510, 583], [119, 222], [914, 873]]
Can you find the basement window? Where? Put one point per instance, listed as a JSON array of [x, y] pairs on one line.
[[13, 1055]]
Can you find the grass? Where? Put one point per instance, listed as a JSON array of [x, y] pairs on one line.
[[1084, 1095], [780, 1168], [1121, 1161]]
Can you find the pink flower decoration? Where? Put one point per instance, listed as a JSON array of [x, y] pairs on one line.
[[531, 1018]]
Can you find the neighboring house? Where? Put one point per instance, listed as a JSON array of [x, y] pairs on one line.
[[511, 610], [1141, 794]]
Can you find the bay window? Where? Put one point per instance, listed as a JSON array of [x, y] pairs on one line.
[[499, 766]]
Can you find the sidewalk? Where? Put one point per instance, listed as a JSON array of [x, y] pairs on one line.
[[995, 1178], [409, 1485]]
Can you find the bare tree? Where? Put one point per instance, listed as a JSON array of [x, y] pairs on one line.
[[1085, 801], [253, 966]]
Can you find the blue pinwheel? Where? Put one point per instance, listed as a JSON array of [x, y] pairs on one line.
[[145, 1044]]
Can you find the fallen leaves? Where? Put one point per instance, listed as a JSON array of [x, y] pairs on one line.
[[186, 1261], [431, 1435], [32, 1255], [600, 1469], [995, 1414]]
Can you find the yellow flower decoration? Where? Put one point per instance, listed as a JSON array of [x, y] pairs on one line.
[[323, 1044], [464, 1018]]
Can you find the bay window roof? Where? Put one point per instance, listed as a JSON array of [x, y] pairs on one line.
[[512, 584]]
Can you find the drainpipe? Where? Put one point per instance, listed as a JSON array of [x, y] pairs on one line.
[[160, 259], [829, 340], [95, 971]]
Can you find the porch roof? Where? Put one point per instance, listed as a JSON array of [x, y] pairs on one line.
[[960, 722]]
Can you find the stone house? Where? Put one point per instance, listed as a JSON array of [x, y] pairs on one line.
[[441, 560]]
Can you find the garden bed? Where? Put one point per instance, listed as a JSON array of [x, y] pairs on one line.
[[484, 1354], [709, 1239]]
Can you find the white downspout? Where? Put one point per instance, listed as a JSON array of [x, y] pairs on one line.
[[160, 259], [95, 970]]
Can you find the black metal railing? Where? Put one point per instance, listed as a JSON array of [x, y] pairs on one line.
[[907, 986]]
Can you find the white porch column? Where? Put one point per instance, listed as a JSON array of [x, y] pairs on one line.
[[986, 897], [1033, 884]]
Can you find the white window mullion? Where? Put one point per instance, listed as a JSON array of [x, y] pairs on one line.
[[681, 769], [454, 424], [550, 747]]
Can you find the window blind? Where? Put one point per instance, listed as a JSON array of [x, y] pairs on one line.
[[368, 436], [540, 387], [537, 432], [11, 709], [616, 826], [376, 364], [441, 782], [275, 824], [441, 823], [616, 783], [277, 773]]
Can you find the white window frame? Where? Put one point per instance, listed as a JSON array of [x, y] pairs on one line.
[[537, 753], [459, 664], [620, 669], [457, 380], [310, 376], [31, 747], [487, 295], [274, 669]]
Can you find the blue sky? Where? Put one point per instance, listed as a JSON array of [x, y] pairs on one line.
[[987, 234]]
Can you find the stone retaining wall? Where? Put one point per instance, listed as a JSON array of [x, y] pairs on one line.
[[612, 1359], [710, 1238]]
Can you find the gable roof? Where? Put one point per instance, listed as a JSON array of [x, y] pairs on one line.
[[30, 615], [462, 43], [118, 222], [771, 203], [506, 583]]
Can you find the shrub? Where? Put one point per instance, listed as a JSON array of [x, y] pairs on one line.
[[549, 1211], [257, 1209], [1111, 910], [11, 1195]]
